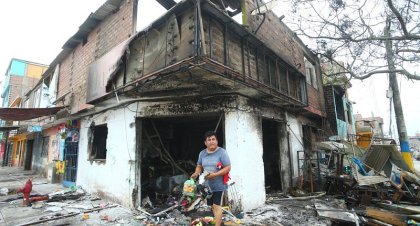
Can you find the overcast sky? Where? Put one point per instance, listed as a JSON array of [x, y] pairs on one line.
[[35, 30]]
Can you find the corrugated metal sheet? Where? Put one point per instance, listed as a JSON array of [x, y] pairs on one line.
[[369, 180], [103, 69], [379, 155], [377, 158], [167, 4]]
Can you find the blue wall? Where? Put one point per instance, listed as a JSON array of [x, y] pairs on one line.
[[17, 68]]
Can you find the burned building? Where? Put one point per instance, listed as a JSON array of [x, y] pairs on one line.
[[135, 106], [196, 69]]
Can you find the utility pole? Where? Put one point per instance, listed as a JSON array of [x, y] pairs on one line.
[[399, 115]]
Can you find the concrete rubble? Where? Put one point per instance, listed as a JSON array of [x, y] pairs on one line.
[[88, 209], [342, 196]]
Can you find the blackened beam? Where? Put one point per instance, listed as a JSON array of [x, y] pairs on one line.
[[167, 4]]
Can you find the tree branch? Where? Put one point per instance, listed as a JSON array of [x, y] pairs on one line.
[[373, 38], [399, 17], [408, 51], [369, 74]]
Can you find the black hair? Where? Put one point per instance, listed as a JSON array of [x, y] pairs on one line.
[[209, 134]]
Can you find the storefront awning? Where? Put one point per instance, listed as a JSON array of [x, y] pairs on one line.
[[22, 114], [8, 128]]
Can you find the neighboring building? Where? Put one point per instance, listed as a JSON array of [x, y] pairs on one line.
[[176, 83], [133, 108], [369, 130], [20, 77], [374, 124], [51, 139], [339, 107]]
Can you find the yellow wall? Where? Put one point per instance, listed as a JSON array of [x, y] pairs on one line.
[[35, 71], [19, 141], [364, 139]]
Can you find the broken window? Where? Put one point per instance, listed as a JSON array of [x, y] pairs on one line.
[[283, 78], [296, 84], [339, 107], [97, 142], [349, 119], [310, 73]]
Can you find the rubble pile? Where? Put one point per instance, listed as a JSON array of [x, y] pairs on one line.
[[62, 207], [346, 185], [374, 186]]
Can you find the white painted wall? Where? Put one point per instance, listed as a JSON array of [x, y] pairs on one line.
[[295, 139], [244, 146], [116, 176]]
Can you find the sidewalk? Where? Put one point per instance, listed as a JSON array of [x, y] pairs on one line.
[[66, 211]]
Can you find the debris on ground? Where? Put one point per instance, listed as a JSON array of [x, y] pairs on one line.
[[4, 191], [345, 185]]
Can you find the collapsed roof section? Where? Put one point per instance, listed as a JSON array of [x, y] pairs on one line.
[[196, 49]]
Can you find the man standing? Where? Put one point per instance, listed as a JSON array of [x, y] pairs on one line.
[[216, 162]]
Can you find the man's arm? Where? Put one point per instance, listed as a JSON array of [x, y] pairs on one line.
[[221, 172], [198, 170]]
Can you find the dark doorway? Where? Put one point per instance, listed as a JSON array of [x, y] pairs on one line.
[[271, 155], [28, 155], [170, 147], [307, 137], [9, 153]]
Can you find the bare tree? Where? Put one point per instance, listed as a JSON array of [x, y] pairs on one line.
[[353, 31], [370, 36]]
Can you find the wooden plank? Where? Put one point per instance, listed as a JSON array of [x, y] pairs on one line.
[[408, 209], [386, 216], [374, 222]]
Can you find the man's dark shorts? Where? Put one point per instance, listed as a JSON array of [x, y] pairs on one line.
[[216, 198]]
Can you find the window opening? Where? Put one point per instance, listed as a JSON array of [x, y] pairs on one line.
[[45, 143], [98, 137], [310, 73], [339, 107]]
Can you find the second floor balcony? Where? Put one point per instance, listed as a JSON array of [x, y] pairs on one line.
[[196, 49]]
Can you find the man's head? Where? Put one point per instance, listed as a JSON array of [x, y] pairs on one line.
[[210, 140]]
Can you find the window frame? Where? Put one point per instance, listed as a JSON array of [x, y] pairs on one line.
[[45, 144], [310, 73], [98, 136]]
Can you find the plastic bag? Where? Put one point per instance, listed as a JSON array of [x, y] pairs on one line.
[[189, 188]]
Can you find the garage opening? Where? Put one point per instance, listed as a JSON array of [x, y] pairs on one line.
[[169, 152], [271, 155]]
